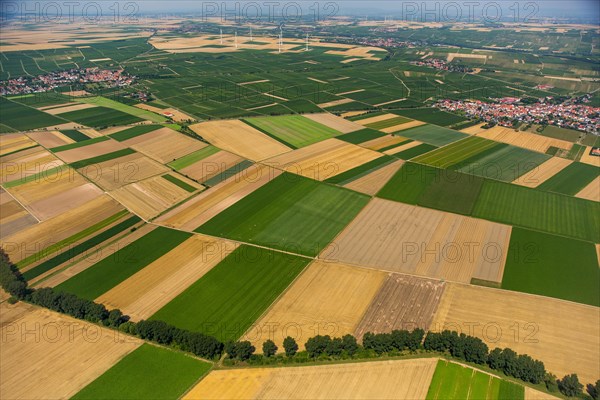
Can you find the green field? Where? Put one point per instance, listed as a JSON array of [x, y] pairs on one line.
[[294, 130], [361, 136], [228, 173], [115, 105], [194, 157], [387, 123], [434, 135], [130, 133], [416, 151], [535, 209], [114, 269], [100, 117], [456, 152], [553, 266], [431, 116], [571, 179], [104, 157], [456, 382], [360, 171], [74, 134], [81, 143], [503, 162], [230, 297], [149, 372], [289, 213], [185, 186], [21, 117]]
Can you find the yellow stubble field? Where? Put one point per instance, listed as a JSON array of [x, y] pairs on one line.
[[164, 145], [374, 181]]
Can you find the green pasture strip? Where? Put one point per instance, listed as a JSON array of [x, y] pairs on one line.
[[269, 134], [388, 123], [185, 186], [75, 251], [194, 157], [416, 151], [230, 297], [102, 158], [115, 105], [79, 144], [39, 176], [114, 269], [149, 372], [74, 134], [571, 179], [361, 136], [56, 247], [228, 173], [360, 171], [130, 133]]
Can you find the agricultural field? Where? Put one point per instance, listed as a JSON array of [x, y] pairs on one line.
[[433, 135], [14, 217], [100, 117], [405, 379], [373, 181], [29, 162], [227, 300], [13, 143], [289, 213], [571, 179], [20, 117], [539, 326], [530, 141], [293, 131]]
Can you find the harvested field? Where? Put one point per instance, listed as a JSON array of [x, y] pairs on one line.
[[587, 158], [48, 232], [164, 145], [532, 394], [25, 163], [327, 299], [240, 138], [13, 217], [371, 183], [68, 108], [335, 122], [526, 140], [50, 139], [554, 331], [151, 196], [92, 150], [403, 147], [59, 366], [401, 379], [14, 142], [401, 127], [211, 166], [147, 291], [384, 142], [591, 191], [335, 103], [378, 118], [403, 238], [543, 172], [403, 302], [323, 160], [200, 209], [113, 174]]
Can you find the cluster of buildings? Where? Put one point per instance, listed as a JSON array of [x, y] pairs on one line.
[[44, 83], [442, 65], [572, 114]]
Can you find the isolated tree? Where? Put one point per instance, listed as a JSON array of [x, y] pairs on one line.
[[290, 346], [570, 385], [269, 348]]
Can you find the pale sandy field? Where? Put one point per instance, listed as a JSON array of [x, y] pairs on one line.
[[90, 151], [335, 103], [10, 142], [526, 140], [555, 331], [335, 122], [543, 172], [13, 217], [404, 238], [327, 299], [591, 191], [383, 142], [69, 108], [400, 379], [378, 118], [150, 197], [50, 139], [57, 357], [148, 290], [240, 138], [324, 159], [374, 181], [589, 159], [406, 146], [26, 163], [211, 166], [401, 127], [193, 213], [164, 145]]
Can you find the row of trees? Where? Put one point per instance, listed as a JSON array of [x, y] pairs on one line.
[[460, 346]]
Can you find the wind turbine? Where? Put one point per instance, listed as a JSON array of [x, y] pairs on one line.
[[307, 41], [236, 44], [250, 34], [221, 31]]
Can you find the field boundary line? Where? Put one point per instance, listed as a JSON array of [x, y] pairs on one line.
[[22, 205]]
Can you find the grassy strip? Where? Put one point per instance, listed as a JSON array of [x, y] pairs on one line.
[[571, 179], [112, 270], [79, 144], [366, 115], [229, 298], [130, 133], [415, 151], [361, 136], [228, 173], [194, 157], [387, 123], [16, 151], [74, 134], [102, 158], [71, 239], [80, 248], [576, 152], [185, 186], [269, 134], [115, 105], [143, 374], [393, 146], [360, 171], [39, 176]]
